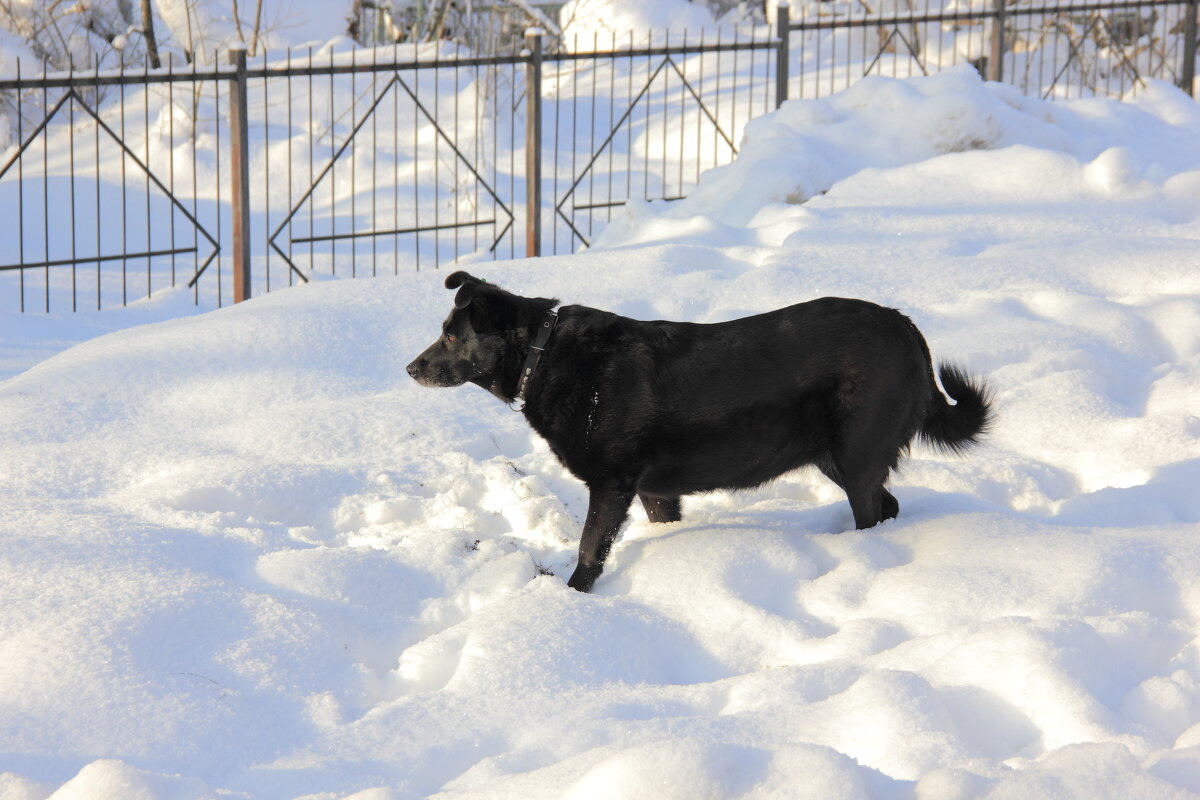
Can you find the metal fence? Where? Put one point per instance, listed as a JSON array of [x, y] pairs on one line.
[[264, 172], [1054, 50], [257, 174]]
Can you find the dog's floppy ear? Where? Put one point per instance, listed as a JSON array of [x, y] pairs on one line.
[[469, 286], [457, 279]]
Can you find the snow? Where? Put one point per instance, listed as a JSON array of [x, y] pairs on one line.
[[244, 555], [602, 24]]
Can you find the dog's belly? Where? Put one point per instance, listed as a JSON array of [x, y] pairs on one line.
[[737, 456]]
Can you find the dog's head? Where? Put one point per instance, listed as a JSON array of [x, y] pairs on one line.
[[474, 337]]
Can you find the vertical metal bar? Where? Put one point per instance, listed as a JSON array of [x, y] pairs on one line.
[[454, 198], [682, 120], [332, 175], [477, 115], [820, 64], [395, 163], [96, 130], [646, 123], [437, 156], [46, 184], [941, 42], [195, 92], [290, 162], [312, 146], [124, 202], [850, 50], [353, 165], [700, 56], [663, 121], [574, 138], [612, 79], [865, 28], [996, 57], [803, 45], [374, 156], [733, 113], [925, 49], [492, 93], [21, 188], [533, 143], [416, 158], [512, 150], [266, 117], [146, 151], [239, 177], [592, 131], [970, 56], [217, 161], [895, 65], [1054, 61], [71, 167], [717, 103], [557, 119], [1163, 66], [1187, 78], [1040, 54], [833, 43], [1108, 75], [630, 66], [170, 158], [782, 53], [768, 100]]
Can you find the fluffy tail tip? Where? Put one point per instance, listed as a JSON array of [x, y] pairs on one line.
[[957, 427]]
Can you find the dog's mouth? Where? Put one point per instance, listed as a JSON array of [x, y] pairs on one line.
[[428, 374], [436, 379]]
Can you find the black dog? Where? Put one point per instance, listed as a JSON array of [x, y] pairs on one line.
[[664, 409]]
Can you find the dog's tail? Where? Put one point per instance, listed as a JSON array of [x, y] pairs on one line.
[[953, 427], [956, 427]]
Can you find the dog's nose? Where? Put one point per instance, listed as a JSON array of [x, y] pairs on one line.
[[413, 369]]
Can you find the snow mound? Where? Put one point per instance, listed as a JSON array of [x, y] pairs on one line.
[[602, 24], [808, 146]]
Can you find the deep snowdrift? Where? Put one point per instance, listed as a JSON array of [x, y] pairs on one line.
[[243, 553]]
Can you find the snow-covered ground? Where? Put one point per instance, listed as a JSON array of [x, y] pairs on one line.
[[242, 554]]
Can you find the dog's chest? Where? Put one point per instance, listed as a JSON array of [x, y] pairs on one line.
[[585, 432]]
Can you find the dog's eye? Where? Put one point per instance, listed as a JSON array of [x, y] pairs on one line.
[[450, 337]]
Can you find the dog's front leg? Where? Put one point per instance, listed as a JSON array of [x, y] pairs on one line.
[[606, 512]]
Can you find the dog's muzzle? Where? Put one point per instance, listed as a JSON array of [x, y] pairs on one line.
[[429, 374], [420, 372]]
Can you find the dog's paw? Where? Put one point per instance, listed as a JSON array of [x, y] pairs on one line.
[[583, 577]]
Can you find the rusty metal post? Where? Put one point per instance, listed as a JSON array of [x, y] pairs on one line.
[[533, 143], [995, 67], [239, 168], [1187, 79], [782, 54]]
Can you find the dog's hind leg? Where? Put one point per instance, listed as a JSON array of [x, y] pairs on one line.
[[869, 503], [890, 505], [606, 512], [661, 509]]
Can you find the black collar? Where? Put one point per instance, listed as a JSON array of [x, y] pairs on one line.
[[535, 355]]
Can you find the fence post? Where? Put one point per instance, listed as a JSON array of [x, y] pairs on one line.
[[239, 168], [1187, 79], [995, 70], [782, 53], [533, 143]]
